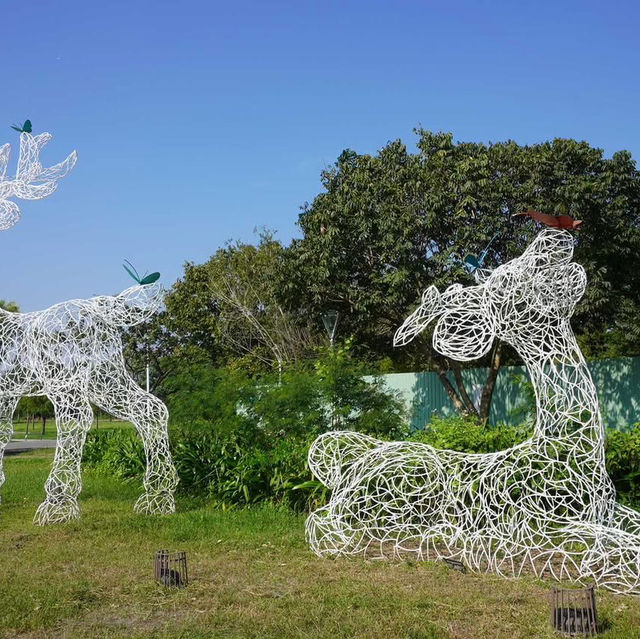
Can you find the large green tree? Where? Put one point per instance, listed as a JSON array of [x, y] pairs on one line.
[[227, 310], [388, 225]]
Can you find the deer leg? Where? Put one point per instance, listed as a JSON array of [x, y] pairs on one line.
[[120, 396], [7, 406], [73, 421]]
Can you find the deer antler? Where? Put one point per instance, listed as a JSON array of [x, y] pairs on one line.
[[32, 181]]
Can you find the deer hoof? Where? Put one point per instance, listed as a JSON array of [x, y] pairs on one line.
[[56, 512], [155, 504]]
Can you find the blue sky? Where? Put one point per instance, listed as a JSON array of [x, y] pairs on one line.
[[196, 122]]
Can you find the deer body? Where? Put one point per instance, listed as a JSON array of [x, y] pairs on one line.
[[72, 353], [545, 505]]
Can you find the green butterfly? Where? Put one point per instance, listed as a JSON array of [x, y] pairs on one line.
[[146, 279], [26, 127]]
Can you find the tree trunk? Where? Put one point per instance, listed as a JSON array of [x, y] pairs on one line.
[[44, 425], [451, 392], [460, 398], [490, 384], [466, 400]]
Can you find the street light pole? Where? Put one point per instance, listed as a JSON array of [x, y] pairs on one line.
[[330, 321]]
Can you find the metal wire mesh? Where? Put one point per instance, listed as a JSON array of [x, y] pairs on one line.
[[72, 353], [545, 506]]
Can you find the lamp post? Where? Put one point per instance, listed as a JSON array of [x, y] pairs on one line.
[[330, 321]]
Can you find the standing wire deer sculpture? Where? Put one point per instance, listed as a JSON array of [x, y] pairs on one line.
[[545, 506], [72, 353]]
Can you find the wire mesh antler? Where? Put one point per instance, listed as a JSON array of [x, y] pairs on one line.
[[32, 181]]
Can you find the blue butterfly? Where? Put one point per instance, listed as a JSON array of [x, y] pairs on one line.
[[25, 128], [473, 263]]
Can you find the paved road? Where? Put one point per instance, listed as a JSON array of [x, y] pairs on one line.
[[23, 445]]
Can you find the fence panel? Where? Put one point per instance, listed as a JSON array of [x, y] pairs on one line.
[[616, 381]]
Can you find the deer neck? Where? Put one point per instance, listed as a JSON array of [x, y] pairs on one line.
[[566, 401]]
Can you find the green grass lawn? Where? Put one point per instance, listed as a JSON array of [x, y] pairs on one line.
[[252, 576], [35, 429]]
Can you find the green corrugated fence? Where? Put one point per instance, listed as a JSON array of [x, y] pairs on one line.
[[617, 381]]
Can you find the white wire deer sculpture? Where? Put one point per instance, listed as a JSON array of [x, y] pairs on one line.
[[72, 353], [545, 506]]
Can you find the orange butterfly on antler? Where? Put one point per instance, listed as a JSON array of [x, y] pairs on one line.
[[555, 221]]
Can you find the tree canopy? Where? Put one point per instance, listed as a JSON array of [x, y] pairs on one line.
[[387, 226]]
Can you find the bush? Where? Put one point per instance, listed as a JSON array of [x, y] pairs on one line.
[[622, 451], [229, 468], [233, 470], [469, 435], [239, 440], [115, 452], [259, 452], [330, 393]]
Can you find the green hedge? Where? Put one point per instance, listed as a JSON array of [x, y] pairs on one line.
[[250, 465], [239, 440]]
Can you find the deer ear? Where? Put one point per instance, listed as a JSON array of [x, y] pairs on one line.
[[431, 296]]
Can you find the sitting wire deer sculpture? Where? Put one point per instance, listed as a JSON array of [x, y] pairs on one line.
[[545, 506], [72, 353]]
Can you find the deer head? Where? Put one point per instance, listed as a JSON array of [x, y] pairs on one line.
[[515, 302], [32, 181]]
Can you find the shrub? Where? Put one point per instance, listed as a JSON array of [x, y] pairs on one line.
[[115, 452], [239, 440], [229, 468], [330, 393], [623, 463], [469, 435], [245, 440]]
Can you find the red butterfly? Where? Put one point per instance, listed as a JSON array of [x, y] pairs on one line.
[[555, 221]]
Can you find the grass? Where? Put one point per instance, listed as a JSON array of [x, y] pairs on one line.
[[252, 576], [35, 429]]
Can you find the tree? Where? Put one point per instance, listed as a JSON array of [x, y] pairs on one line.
[[184, 332], [11, 307], [33, 407], [389, 225], [225, 310], [245, 281]]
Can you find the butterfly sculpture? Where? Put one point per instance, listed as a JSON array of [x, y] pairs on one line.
[[554, 221], [472, 262], [146, 279], [25, 128]]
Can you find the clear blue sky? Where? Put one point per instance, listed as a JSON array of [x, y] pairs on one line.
[[196, 122]]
